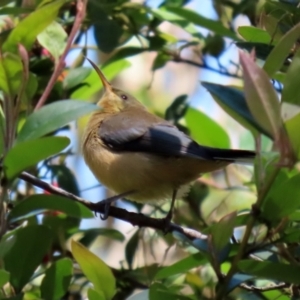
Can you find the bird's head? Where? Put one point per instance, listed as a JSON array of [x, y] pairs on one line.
[[114, 100]]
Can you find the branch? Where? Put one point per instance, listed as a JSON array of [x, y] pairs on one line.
[[136, 219], [81, 8]]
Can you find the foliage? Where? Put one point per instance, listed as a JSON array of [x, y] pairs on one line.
[[249, 244]]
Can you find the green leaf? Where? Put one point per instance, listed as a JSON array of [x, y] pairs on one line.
[[107, 32], [292, 125], [234, 103], [10, 74], [181, 266], [160, 291], [31, 244], [31, 88], [291, 89], [237, 279], [164, 15], [282, 199], [253, 34], [195, 18], [160, 61], [4, 277], [15, 10], [270, 270], [57, 279], [2, 130], [261, 97], [92, 84], [177, 109], [52, 117], [29, 153], [124, 53], [27, 30], [261, 50], [96, 271], [53, 39], [131, 247], [75, 77], [36, 204], [213, 135], [279, 54], [90, 235], [95, 295], [65, 179], [222, 231]]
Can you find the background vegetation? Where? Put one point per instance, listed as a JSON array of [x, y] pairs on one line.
[[246, 238]]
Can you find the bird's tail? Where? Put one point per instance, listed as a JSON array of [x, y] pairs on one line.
[[238, 156]]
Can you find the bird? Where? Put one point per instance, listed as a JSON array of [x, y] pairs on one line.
[[138, 154]]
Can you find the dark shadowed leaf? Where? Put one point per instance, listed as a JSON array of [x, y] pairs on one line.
[[65, 179], [177, 109], [124, 53], [270, 270], [39, 203], [131, 248], [234, 103], [52, 117], [29, 153], [160, 61], [181, 266], [57, 279], [261, 50], [238, 279], [31, 244], [90, 235]]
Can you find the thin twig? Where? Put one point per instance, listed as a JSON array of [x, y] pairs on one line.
[[136, 219], [81, 8], [261, 195], [265, 288], [179, 59]]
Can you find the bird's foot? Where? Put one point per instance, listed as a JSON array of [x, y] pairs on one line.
[[167, 222], [104, 212]]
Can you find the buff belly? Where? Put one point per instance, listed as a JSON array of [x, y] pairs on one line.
[[152, 177]]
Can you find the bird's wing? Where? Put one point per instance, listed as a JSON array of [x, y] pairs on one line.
[[161, 139]]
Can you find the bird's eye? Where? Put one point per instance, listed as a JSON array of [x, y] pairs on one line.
[[124, 97]]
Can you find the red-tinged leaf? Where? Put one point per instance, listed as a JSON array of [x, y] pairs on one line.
[[261, 97]]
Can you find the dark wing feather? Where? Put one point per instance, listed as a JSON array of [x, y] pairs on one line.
[[162, 139]]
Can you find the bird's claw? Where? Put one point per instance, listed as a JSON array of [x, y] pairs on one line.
[[107, 203]]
